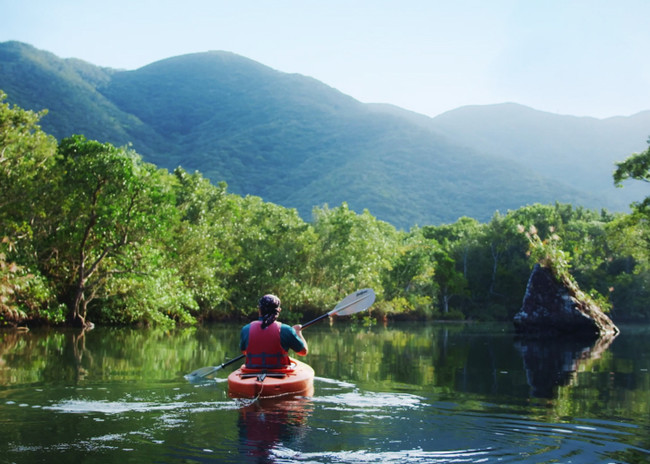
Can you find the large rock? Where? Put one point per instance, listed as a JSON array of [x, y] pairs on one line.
[[552, 308]]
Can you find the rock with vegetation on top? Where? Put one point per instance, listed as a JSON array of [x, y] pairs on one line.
[[552, 307]]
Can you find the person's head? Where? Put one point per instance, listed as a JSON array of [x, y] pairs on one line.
[[269, 306]]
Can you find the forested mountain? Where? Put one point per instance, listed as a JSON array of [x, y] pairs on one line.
[[296, 142], [579, 151]]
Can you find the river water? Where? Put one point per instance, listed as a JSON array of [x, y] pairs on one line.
[[404, 393]]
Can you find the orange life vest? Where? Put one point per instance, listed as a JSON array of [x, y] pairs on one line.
[[264, 349]]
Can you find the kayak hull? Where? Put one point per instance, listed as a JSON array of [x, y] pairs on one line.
[[298, 379]]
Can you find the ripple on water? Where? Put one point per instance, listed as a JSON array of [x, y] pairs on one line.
[[119, 407], [369, 401], [343, 425], [406, 428], [411, 456]]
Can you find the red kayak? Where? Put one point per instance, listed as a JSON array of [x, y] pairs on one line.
[[297, 379]]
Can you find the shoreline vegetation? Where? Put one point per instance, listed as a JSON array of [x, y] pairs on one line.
[[90, 233]]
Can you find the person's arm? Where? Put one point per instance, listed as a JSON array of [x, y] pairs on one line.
[[291, 338], [243, 338], [298, 329]]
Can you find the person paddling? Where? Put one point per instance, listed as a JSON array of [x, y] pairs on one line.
[[266, 342]]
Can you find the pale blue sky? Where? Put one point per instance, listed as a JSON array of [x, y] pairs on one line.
[[579, 57]]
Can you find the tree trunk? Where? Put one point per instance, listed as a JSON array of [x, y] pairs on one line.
[[77, 316], [495, 266]]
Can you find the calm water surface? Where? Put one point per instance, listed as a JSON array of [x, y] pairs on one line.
[[406, 393]]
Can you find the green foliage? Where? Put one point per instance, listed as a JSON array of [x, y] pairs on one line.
[[550, 254], [201, 245], [628, 237], [26, 154], [109, 205], [94, 232], [158, 297], [352, 250], [636, 166], [11, 281], [273, 250], [24, 294], [408, 283]]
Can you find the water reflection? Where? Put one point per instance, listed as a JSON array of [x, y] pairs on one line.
[[411, 393], [550, 364], [266, 424], [80, 351], [120, 354]]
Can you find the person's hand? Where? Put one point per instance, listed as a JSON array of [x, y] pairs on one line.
[[298, 329]]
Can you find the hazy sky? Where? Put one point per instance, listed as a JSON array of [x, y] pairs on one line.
[[578, 57]]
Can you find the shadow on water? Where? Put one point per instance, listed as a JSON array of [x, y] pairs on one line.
[[554, 363]]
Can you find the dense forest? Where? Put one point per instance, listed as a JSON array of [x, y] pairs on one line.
[[91, 232]]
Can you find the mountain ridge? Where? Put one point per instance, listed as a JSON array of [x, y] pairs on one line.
[[509, 129], [288, 138]]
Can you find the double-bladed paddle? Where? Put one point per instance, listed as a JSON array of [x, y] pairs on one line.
[[351, 304]]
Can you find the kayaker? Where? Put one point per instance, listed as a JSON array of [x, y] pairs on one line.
[[266, 342]]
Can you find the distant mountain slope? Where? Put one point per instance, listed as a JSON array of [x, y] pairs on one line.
[[577, 151], [237, 120], [285, 137], [35, 80]]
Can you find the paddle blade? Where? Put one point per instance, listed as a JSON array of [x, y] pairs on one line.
[[201, 373], [205, 371], [355, 302]]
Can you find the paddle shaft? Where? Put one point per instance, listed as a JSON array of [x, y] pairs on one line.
[[319, 318], [228, 363]]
